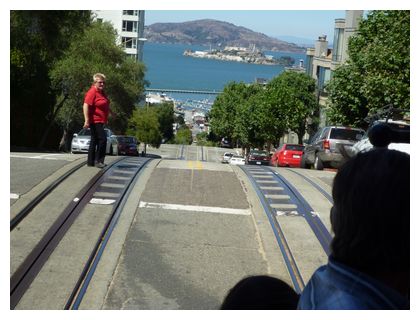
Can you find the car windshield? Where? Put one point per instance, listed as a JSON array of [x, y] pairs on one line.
[[294, 147], [84, 132], [258, 153], [126, 139], [345, 134]]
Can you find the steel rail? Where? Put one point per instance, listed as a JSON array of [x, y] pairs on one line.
[[34, 202], [303, 207], [317, 186], [83, 282], [28, 270], [291, 265]]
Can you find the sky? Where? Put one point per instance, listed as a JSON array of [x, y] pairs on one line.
[[308, 24]]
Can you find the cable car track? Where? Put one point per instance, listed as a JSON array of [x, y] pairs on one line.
[[124, 172], [278, 197]]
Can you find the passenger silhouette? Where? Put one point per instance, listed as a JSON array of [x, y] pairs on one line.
[[261, 293], [369, 265]]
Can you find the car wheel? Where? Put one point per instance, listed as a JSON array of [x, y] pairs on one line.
[[318, 163], [303, 163]]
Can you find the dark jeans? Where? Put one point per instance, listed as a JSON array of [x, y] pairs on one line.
[[97, 145]]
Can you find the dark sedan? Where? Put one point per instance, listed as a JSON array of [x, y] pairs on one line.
[[127, 145], [258, 157]]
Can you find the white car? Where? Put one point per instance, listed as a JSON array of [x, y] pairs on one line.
[[365, 144], [81, 142], [226, 156], [237, 160]]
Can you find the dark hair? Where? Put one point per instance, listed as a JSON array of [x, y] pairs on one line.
[[371, 214], [261, 293]]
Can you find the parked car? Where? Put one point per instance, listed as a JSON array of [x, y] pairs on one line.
[[399, 138], [237, 160], [81, 141], [287, 155], [226, 156], [258, 157], [323, 149], [225, 143], [128, 145]]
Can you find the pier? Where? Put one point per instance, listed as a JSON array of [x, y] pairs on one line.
[[182, 91]]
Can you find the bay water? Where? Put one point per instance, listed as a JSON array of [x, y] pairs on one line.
[[168, 68]]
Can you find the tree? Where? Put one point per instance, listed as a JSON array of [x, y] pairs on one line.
[[37, 39], [292, 102], [183, 135], [96, 51], [226, 108], [378, 70], [165, 113], [144, 124]]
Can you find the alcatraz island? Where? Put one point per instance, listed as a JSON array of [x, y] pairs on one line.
[[241, 54]]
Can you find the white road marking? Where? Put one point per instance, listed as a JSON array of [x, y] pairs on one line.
[[101, 201], [168, 206], [14, 196], [43, 157], [287, 213]]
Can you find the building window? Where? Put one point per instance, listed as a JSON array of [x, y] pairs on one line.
[[309, 65], [129, 42], [130, 26], [338, 45], [324, 75], [131, 12]]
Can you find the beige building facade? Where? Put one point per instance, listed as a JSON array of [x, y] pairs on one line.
[[322, 61]]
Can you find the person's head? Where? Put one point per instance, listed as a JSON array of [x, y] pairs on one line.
[[261, 293], [99, 80], [370, 218]]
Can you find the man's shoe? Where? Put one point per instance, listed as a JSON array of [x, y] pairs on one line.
[[100, 165], [90, 165]]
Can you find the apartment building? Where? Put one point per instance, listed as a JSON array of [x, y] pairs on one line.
[[322, 61], [130, 28]]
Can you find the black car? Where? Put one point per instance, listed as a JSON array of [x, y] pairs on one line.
[[258, 157], [128, 145], [225, 143]]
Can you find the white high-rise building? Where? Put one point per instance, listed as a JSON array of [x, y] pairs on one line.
[[130, 28]]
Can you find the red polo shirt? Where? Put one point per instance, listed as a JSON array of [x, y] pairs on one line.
[[98, 105]]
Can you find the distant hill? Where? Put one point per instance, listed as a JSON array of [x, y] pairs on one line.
[[304, 42], [215, 33]]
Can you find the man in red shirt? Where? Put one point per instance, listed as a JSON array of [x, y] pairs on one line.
[[95, 111]]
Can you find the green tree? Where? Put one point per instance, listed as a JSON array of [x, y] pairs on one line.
[[249, 121], [144, 124], [166, 118], [183, 136], [292, 102], [226, 108], [37, 39], [378, 70], [96, 51]]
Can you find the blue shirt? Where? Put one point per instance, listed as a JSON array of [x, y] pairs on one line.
[[338, 287]]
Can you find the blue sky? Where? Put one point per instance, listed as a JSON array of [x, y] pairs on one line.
[[299, 23]]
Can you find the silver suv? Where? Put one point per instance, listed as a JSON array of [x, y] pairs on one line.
[[323, 149]]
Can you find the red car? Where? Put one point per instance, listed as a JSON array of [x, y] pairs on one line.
[[288, 155]]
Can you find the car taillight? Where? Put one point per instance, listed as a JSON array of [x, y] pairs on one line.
[[326, 144]]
